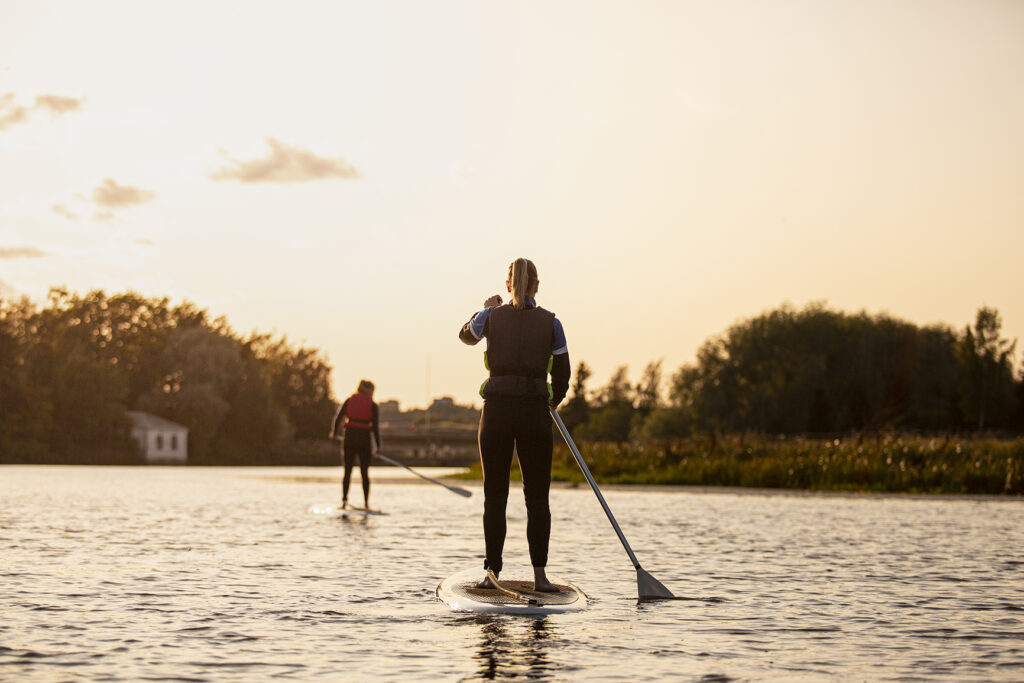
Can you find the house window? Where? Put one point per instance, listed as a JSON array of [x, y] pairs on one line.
[[159, 442], [174, 442]]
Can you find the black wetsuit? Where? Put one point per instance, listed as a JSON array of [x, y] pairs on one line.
[[356, 444], [515, 418], [525, 426]]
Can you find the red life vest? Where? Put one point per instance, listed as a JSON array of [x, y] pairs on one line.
[[359, 411]]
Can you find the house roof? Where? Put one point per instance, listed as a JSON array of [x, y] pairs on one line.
[[145, 420]]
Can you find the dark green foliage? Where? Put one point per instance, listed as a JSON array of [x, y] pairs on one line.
[[89, 407], [986, 372], [612, 414], [69, 372], [25, 413], [299, 381], [576, 411], [821, 371], [816, 371]]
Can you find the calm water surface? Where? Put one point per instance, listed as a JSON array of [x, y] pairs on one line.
[[129, 574]]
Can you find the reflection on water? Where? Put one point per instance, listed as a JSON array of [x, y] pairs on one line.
[[514, 648], [214, 574]]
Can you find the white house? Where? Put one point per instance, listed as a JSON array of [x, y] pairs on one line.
[[160, 441]]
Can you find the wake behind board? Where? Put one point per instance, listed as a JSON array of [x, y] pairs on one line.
[[459, 592]]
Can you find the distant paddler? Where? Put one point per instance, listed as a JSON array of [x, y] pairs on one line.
[[524, 344], [358, 416]]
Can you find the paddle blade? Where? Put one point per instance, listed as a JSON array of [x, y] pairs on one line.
[[462, 492], [649, 588]]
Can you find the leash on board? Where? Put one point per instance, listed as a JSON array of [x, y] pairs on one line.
[[515, 595]]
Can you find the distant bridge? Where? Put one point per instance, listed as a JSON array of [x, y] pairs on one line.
[[445, 444]]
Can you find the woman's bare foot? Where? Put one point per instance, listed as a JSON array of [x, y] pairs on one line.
[[541, 583], [486, 583]]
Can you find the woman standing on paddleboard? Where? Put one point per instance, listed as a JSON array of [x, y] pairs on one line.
[[524, 344], [358, 416]]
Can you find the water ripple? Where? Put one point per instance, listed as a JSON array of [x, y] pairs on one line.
[[164, 574]]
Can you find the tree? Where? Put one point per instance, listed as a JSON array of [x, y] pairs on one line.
[[299, 381], [815, 370], [932, 400], [706, 390], [612, 418], [25, 412], [986, 364], [199, 367], [89, 417], [577, 410], [1018, 419], [648, 390], [69, 371]]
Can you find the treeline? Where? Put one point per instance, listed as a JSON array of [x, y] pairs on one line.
[[71, 369], [815, 371]]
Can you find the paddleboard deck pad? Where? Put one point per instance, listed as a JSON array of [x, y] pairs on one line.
[[459, 592]]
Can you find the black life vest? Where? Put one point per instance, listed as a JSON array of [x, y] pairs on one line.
[[518, 355]]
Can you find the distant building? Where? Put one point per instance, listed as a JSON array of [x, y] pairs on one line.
[[389, 407], [160, 441]]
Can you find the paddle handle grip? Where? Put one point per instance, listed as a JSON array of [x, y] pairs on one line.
[[590, 478]]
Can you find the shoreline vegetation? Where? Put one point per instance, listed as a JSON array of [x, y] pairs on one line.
[[811, 399], [881, 464]]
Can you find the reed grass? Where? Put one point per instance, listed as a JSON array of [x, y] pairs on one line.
[[894, 463]]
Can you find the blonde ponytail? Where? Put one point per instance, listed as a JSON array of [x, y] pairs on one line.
[[522, 280]]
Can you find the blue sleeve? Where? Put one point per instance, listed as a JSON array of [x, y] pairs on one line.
[[476, 325], [559, 345]]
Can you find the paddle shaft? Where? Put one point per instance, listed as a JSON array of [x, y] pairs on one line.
[[593, 484], [453, 489]]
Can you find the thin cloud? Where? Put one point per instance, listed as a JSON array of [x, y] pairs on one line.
[[12, 113], [11, 253], [110, 195], [58, 104], [102, 200], [63, 210], [285, 164]]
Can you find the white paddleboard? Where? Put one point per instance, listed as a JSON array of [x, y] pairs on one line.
[[328, 509], [325, 509], [458, 591], [364, 511]]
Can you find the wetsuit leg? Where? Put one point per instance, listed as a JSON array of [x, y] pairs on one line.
[[357, 447], [365, 457], [351, 450], [534, 444], [496, 439]]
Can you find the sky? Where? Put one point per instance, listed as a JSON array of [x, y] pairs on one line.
[[358, 175]]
